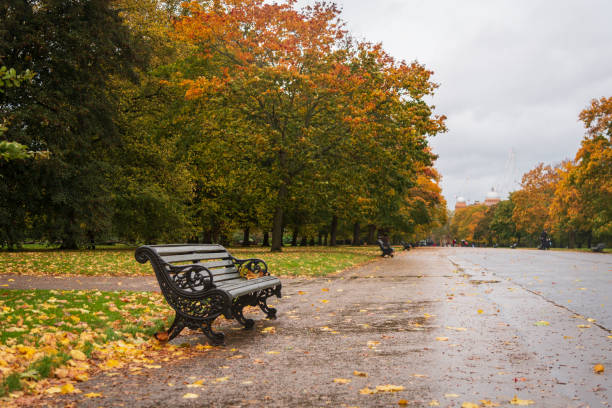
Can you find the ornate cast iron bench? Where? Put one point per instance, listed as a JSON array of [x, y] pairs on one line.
[[202, 282], [385, 248]]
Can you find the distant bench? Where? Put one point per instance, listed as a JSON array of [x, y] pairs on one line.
[[210, 282], [599, 247], [385, 248]]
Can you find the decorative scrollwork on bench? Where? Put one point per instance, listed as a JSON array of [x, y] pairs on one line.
[[251, 267], [190, 277]]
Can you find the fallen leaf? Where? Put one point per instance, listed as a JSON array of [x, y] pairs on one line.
[[93, 395], [389, 388], [161, 336], [301, 292], [324, 300], [324, 290], [69, 389], [456, 328], [469, 405], [488, 403], [451, 395], [517, 401], [152, 366], [442, 338], [366, 390], [360, 374], [221, 379], [270, 329], [196, 384], [542, 323], [599, 368], [434, 403], [272, 352], [402, 402], [190, 396], [419, 375], [479, 311], [373, 343], [342, 380], [584, 326], [53, 390]]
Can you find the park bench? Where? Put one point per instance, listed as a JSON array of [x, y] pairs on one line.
[[202, 282], [406, 245], [385, 248], [599, 247]]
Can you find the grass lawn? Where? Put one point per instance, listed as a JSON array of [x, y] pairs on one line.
[[292, 261], [67, 334]]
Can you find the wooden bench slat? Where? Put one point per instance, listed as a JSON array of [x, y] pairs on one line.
[[181, 249], [195, 256], [229, 285], [216, 264]]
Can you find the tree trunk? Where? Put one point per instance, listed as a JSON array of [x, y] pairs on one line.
[[371, 234], [590, 239], [294, 237], [334, 230], [571, 239], [325, 239], [320, 241], [304, 240], [277, 225], [245, 237], [207, 236], [266, 239], [356, 232]]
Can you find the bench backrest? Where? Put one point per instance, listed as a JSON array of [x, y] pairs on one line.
[[214, 257]]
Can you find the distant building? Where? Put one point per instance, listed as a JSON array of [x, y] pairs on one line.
[[492, 198], [461, 203]]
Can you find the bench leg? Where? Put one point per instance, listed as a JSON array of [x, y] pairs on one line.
[[215, 338], [262, 301], [238, 315], [176, 327]]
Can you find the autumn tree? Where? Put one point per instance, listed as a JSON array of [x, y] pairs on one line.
[[533, 201], [303, 88]]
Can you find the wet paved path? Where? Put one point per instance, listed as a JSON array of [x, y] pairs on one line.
[[450, 332]]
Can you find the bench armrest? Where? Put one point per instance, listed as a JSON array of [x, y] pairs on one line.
[[192, 277], [253, 265]]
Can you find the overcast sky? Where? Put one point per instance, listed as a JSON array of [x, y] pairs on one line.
[[513, 75]]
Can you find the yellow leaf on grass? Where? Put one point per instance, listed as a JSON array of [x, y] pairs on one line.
[[517, 401], [110, 364], [442, 338], [469, 405], [342, 380], [78, 355], [360, 374], [53, 390], [75, 319], [93, 395], [599, 368], [190, 396]]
